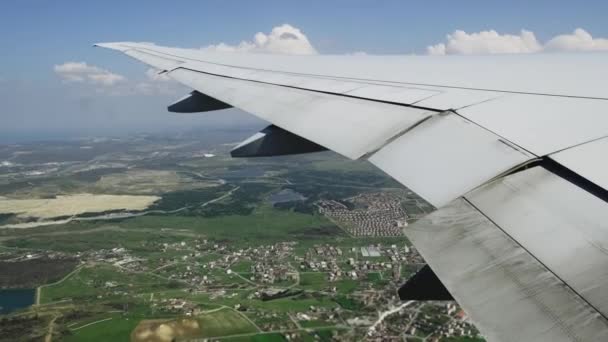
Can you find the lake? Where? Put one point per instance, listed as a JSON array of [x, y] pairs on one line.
[[13, 299]]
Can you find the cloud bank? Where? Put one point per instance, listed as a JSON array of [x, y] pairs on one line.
[[82, 72], [579, 40], [491, 42], [283, 39]]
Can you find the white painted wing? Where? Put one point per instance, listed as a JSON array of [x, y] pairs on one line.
[[512, 149]]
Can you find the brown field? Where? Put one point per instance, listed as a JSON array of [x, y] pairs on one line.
[[70, 205]]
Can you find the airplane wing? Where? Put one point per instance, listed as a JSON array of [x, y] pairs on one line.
[[512, 150]]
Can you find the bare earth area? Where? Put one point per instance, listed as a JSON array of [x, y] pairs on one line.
[[74, 205], [165, 331]]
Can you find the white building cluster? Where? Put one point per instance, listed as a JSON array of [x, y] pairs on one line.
[[369, 214]]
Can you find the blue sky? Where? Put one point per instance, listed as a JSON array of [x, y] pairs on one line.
[[36, 35]]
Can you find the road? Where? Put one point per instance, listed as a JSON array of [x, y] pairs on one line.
[[387, 313], [221, 197], [49, 335], [39, 288]]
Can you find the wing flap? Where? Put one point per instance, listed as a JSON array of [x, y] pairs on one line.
[[508, 293], [562, 225], [447, 156]]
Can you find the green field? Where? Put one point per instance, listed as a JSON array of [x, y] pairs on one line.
[[265, 224], [88, 283], [223, 323], [346, 285], [314, 280], [265, 337], [117, 329], [289, 304]]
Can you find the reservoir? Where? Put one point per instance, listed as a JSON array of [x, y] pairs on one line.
[[13, 299]]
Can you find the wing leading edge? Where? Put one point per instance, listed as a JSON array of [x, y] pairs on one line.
[[520, 238]]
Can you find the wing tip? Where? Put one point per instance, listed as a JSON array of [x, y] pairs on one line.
[[112, 46]]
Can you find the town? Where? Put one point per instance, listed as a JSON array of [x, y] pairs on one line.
[[369, 214], [364, 277]]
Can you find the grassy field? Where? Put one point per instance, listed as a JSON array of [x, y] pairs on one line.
[[289, 304], [463, 339], [102, 239], [224, 322], [320, 334], [242, 266], [346, 285], [117, 329], [314, 324], [90, 282], [265, 224], [272, 337], [314, 281]]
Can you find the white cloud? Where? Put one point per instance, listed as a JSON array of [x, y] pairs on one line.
[[82, 72], [106, 79], [492, 42], [579, 40], [436, 50], [104, 82], [486, 42], [283, 39]]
